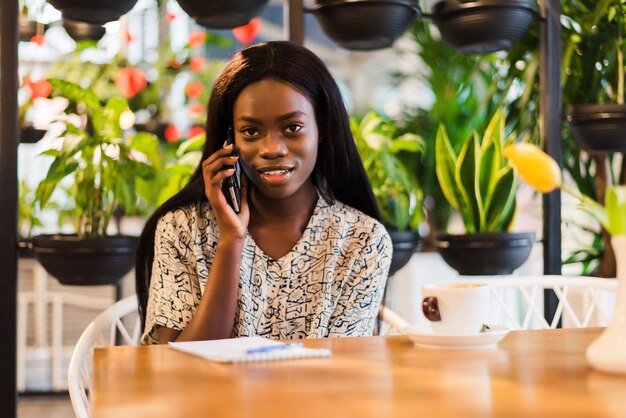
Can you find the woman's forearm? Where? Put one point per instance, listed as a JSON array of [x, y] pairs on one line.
[[215, 315]]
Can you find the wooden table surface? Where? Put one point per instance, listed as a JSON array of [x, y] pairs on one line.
[[530, 374]]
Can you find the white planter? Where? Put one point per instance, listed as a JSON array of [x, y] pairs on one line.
[[608, 352]]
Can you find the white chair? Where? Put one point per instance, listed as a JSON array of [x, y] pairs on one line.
[[119, 324], [518, 302]]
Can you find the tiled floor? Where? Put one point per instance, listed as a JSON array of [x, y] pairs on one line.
[[49, 406]]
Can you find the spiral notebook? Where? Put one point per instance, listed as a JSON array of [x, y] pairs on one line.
[[248, 349]]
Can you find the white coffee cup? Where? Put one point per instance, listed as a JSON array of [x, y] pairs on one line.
[[456, 308]]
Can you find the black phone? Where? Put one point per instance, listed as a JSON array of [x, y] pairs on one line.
[[230, 187]]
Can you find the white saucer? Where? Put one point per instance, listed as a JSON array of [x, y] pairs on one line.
[[477, 341]]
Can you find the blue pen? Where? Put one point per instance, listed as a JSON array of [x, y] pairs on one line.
[[270, 348]]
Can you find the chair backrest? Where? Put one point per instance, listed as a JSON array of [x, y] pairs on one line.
[[518, 302], [119, 324]]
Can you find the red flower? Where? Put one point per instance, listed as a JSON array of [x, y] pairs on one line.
[[195, 131], [196, 39], [172, 133], [194, 89], [246, 33], [130, 81], [195, 109], [171, 16], [38, 39], [39, 88], [196, 64]]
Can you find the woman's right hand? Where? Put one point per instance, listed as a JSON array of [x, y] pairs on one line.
[[231, 224]]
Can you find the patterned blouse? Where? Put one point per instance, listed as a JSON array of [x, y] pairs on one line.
[[329, 285]]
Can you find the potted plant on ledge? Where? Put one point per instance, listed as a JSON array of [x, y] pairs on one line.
[[104, 170], [387, 158], [599, 127], [480, 184]]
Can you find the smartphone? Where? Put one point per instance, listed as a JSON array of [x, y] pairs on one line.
[[230, 187]]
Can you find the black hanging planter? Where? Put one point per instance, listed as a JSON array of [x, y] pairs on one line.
[[91, 261], [485, 254], [599, 127], [364, 25], [404, 245], [93, 11], [83, 31], [483, 26], [220, 14], [154, 127], [31, 135]]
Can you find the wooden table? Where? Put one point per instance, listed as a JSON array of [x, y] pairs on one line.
[[531, 374]]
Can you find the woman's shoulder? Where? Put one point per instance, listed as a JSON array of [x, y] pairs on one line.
[[187, 215], [356, 220]]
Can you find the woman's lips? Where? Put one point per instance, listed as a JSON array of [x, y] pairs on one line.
[[274, 177]]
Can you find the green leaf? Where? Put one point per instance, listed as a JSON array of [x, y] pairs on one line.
[[75, 93], [72, 144], [502, 207], [491, 162], [106, 120], [465, 176], [191, 144], [44, 191], [445, 166], [50, 153], [408, 142], [148, 144], [616, 210]]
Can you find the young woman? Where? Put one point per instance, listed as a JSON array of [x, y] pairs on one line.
[[305, 256]]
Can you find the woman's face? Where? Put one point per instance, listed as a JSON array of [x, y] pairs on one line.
[[277, 137]]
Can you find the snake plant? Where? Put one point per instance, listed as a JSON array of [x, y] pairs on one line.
[[477, 181]]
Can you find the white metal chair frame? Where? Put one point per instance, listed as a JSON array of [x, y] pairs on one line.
[[527, 292], [103, 331]]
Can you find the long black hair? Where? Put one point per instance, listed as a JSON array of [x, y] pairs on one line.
[[338, 172]]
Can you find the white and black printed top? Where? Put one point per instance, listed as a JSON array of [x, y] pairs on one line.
[[329, 285]]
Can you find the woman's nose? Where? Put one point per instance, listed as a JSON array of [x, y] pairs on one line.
[[273, 146]]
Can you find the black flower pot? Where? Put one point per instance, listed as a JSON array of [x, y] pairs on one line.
[[220, 14], [25, 248], [153, 127], [30, 135], [599, 127], [485, 254], [483, 26], [93, 11], [89, 261], [83, 31], [365, 24], [404, 245]]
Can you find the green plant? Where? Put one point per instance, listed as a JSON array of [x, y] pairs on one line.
[[461, 87], [103, 166], [386, 157], [478, 182], [27, 211], [178, 172]]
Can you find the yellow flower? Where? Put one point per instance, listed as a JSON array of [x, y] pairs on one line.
[[533, 165]]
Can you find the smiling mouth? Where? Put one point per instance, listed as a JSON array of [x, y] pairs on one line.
[[276, 176]]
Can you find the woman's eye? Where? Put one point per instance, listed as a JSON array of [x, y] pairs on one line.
[[248, 132], [293, 128]]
